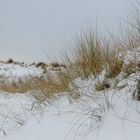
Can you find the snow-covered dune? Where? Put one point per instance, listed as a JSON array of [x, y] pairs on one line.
[[94, 116], [112, 113]]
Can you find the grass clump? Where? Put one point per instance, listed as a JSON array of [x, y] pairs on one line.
[[93, 54], [89, 55]]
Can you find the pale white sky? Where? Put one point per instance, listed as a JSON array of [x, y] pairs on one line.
[[32, 30]]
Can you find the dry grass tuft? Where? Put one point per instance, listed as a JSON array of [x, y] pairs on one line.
[[89, 57], [93, 54]]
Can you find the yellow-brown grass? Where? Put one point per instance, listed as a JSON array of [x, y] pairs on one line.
[[48, 87], [93, 53]]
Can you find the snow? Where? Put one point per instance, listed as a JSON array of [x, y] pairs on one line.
[[59, 127], [81, 120], [132, 56], [14, 73], [110, 114]]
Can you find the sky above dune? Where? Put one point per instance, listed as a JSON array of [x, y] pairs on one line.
[[34, 30]]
